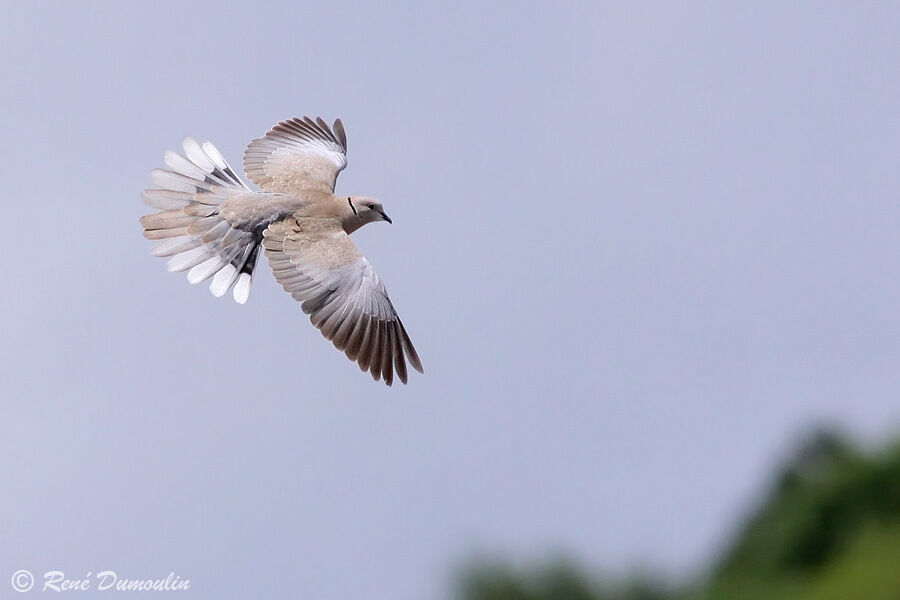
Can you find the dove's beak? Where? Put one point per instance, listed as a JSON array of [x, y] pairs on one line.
[[386, 218]]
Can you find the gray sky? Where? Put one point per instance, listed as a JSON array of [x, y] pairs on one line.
[[638, 248]]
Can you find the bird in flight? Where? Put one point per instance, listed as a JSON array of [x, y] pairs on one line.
[[212, 225]]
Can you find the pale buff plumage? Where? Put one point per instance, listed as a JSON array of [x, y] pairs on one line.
[[212, 225]]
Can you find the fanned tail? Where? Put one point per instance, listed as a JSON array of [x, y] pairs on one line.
[[188, 227]]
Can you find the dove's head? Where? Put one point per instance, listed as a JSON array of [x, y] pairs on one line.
[[367, 210]]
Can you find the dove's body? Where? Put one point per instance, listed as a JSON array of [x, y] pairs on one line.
[[213, 226], [256, 209]]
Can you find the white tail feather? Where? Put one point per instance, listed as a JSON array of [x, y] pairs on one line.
[[175, 245], [204, 270], [196, 155], [222, 281], [242, 288], [166, 199], [187, 260]]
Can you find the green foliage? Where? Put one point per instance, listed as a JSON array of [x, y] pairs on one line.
[[498, 582], [557, 581], [829, 530], [813, 535]]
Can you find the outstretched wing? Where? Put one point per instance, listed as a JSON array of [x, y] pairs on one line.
[[315, 261], [297, 154]]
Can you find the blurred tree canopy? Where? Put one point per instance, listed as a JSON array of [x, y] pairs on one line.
[[828, 530]]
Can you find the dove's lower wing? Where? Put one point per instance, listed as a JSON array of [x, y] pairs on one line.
[[315, 261]]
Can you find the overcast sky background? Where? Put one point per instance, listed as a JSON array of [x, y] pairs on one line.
[[639, 249]]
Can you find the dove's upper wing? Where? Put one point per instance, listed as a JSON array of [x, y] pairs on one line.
[[315, 261], [297, 154]]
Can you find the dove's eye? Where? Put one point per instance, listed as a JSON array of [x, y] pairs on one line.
[[371, 206]]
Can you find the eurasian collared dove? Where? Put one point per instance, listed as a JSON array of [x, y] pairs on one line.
[[212, 225]]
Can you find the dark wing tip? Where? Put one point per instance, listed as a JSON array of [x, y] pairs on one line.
[[339, 132], [411, 354]]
